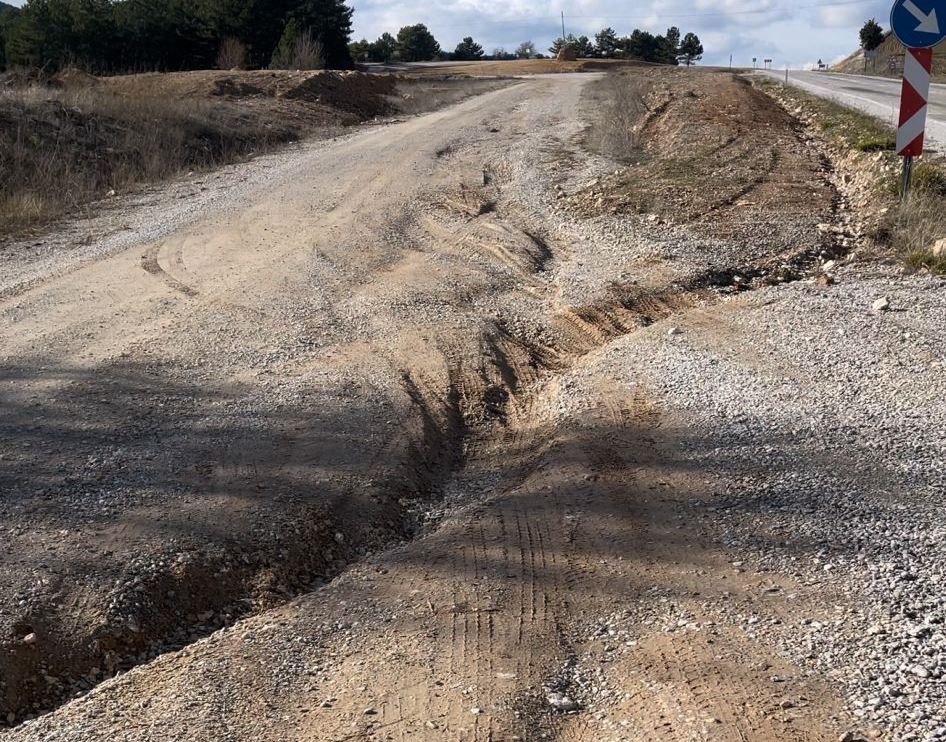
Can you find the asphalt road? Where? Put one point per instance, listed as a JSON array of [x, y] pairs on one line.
[[877, 96]]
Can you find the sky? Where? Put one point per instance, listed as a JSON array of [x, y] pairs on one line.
[[797, 34]]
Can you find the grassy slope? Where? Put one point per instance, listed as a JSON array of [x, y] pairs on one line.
[[906, 230]]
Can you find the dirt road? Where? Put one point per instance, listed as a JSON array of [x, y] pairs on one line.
[[401, 364]]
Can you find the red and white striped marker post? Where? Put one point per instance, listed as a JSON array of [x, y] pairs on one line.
[[917, 67]]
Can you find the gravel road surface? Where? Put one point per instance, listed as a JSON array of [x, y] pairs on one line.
[[394, 437]]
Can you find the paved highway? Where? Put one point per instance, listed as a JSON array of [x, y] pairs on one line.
[[877, 96]]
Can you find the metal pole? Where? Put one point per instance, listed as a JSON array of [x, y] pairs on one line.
[[730, 61], [786, 74], [907, 177], [563, 25]]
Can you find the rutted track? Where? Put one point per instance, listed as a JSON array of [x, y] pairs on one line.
[[339, 362]]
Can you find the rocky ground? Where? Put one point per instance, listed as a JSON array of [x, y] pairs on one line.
[[536, 462]]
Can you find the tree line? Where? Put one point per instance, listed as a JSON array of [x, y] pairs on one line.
[[143, 35], [133, 35], [642, 45], [417, 44]]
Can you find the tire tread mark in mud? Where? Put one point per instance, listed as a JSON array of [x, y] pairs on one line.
[[150, 263]]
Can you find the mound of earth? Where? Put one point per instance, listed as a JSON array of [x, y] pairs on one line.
[[351, 93], [709, 151]]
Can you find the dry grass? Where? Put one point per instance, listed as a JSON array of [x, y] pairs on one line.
[[620, 109], [698, 146], [60, 149], [912, 228], [843, 126]]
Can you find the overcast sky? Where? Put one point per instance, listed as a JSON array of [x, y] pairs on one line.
[[787, 32]]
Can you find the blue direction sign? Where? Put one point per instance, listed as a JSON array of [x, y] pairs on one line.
[[919, 24]]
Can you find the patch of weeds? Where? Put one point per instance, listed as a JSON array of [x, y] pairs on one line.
[[910, 230], [847, 127], [869, 142], [617, 103], [929, 179], [920, 259]]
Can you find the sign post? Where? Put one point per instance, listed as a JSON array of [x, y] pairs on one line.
[[916, 24]]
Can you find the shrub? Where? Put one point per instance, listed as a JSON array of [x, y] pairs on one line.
[[232, 55], [929, 179], [298, 49]]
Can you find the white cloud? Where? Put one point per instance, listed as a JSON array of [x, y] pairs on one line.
[[784, 31]]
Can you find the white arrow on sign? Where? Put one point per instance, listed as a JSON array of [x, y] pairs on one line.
[[928, 21]]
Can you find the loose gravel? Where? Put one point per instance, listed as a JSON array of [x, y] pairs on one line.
[[820, 426]]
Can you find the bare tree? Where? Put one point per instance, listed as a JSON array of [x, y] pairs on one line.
[[232, 54], [309, 53], [525, 50]]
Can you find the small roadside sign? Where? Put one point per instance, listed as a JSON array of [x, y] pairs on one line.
[[914, 100], [919, 24]]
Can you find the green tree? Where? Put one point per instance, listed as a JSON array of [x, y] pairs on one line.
[[360, 50], [672, 38], [691, 49], [298, 49], [642, 45], [384, 49], [667, 51], [606, 42], [136, 35], [329, 22], [560, 43], [872, 35], [416, 44], [468, 50], [51, 34], [584, 47], [260, 24], [7, 15], [163, 35]]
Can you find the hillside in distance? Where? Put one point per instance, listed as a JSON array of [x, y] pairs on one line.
[[888, 61]]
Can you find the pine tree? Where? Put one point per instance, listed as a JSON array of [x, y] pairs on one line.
[[583, 47], [384, 49], [416, 44], [606, 42], [691, 49], [468, 50], [673, 41], [872, 35], [561, 43]]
